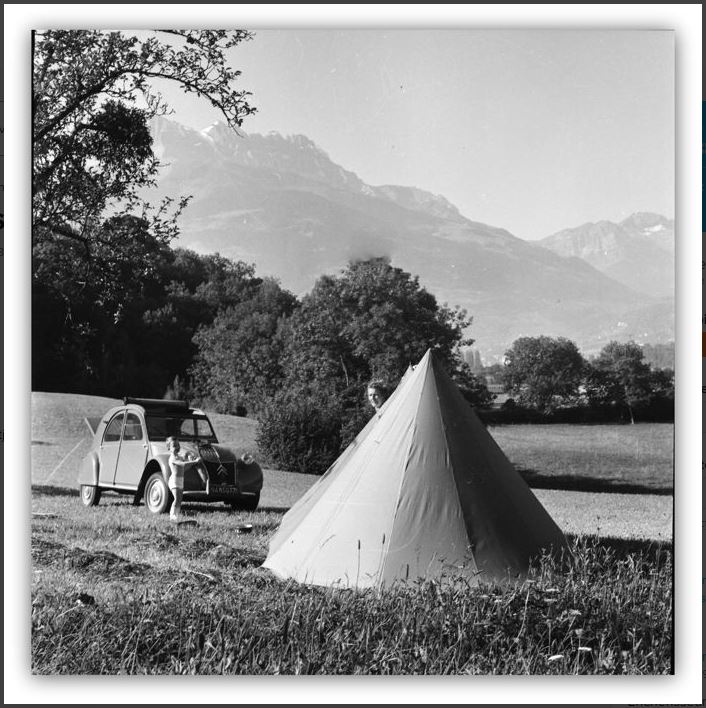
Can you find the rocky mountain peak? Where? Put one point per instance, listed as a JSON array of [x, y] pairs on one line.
[[646, 221]]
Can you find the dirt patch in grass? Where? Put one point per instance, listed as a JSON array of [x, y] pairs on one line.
[[98, 562], [103, 563]]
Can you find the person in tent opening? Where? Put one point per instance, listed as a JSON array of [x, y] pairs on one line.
[[377, 394], [178, 462]]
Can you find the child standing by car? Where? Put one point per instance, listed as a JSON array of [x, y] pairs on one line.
[[178, 462]]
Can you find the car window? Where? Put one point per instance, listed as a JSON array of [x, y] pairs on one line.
[[115, 427], [133, 428], [160, 426], [186, 429], [203, 428]]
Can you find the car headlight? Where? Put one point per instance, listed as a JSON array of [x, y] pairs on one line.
[[247, 459]]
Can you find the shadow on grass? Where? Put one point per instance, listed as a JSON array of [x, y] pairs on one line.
[[582, 483], [49, 490], [654, 551], [275, 509], [221, 508]]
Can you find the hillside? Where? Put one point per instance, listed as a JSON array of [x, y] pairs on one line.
[[281, 203], [638, 251], [61, 438]]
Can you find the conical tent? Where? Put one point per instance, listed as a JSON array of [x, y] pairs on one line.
[[423, 491]]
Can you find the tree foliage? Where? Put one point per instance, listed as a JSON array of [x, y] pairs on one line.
[[98, 247], [620, 376], [543, 372], [91, 101], [371, 321], [301, 435], [137, 341], [239, 356]]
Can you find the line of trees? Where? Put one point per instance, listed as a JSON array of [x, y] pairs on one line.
[[302, 366], [209, 329], [547, 375]]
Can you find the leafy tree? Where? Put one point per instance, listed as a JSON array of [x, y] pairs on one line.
[[125, 256], [238, 362], [371, 321], [92, 98], [137, 342], [620, 376], [78, 306], [543, 372], [96, 243], [662, 384], [187, 291]]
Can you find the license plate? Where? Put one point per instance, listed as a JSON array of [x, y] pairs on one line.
[[223, 489]]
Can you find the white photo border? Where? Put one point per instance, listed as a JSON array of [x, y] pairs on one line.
[[683, 687]]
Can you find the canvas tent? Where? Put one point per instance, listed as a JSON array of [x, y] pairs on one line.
[[423, 491]]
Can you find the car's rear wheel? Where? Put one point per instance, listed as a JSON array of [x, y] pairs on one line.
[[157, 495], [90, 495], [248, 503]]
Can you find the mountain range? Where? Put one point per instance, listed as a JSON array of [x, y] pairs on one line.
[[638, 251], [281, 203]]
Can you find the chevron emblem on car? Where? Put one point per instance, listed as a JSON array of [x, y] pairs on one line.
[[221, 471]]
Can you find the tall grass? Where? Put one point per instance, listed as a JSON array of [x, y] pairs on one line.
[[608, 610]]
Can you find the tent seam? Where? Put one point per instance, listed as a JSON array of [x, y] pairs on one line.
[[455, 479], [402, 479]]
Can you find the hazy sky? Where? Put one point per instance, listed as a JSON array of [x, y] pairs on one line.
[[530, 130]]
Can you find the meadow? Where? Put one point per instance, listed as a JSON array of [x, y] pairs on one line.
[[606, 458], [117, 590]]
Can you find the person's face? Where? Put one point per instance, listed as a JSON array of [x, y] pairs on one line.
[[174, 445], [375, 397]]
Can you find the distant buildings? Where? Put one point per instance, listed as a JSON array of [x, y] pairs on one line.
[[472, 357]]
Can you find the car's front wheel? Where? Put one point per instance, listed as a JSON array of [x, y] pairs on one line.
[[90, 495], [157, 495]]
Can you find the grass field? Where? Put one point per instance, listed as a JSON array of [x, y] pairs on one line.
[[595, 458], [601, 458], [117, 590]]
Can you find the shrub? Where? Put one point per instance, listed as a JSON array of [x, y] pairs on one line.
[[354, 420], [658, 411], [300, 435]]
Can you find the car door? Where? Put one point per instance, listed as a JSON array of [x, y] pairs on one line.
[[110, 449], [133, 452]]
